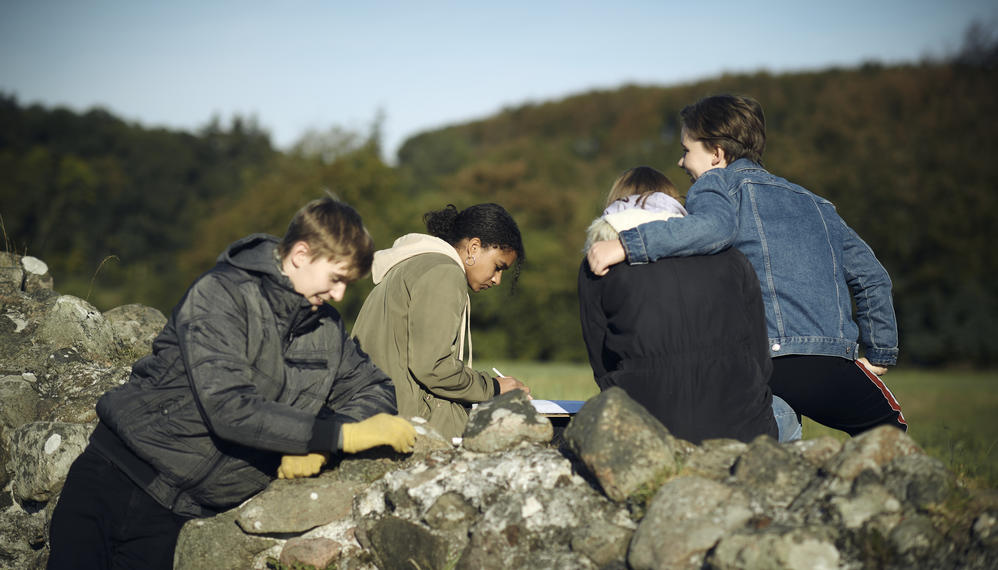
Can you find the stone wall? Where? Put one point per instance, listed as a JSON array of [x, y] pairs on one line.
[[617, 491]]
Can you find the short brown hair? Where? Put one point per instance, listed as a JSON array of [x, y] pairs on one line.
[[641, 180], [734, 123], [334, 230]]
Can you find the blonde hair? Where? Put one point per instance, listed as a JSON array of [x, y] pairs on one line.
[[333, 230], [641, 180]]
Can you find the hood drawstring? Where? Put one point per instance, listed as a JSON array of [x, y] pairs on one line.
[[465, 332]]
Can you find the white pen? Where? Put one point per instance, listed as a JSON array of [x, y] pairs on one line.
[[496, 370]]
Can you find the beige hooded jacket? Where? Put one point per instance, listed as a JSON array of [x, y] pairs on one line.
[[414, 325]]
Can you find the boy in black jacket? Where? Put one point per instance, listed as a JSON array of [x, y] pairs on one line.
[[253, 375]]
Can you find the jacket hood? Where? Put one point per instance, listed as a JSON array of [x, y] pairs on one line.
[[407, 246], [256, 252]]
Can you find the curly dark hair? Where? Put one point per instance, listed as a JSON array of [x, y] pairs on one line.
[[490, 223]]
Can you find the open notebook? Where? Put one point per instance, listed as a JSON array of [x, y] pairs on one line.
[[557, 407]]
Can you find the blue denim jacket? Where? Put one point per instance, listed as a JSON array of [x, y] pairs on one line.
[[811, 265]]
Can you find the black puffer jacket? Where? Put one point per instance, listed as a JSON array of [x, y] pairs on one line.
[[686, 337], [243, 372]]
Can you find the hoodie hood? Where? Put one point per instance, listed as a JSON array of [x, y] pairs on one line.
[[256, 252], [655, 202], [407, 246], [626, 214]]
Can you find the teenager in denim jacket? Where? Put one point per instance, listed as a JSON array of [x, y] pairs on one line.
[[810, 263], [685, 337]]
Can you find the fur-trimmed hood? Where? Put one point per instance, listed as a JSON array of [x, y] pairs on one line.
[[626, 214]]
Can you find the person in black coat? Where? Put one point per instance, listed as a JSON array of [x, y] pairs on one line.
[[685, 337], [253, 376]]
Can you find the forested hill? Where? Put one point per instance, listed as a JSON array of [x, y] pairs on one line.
[[907, 153]]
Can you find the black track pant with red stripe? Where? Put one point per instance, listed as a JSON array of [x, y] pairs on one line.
[[835, 392]]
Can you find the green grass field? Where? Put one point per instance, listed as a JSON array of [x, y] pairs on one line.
[[952, 414]]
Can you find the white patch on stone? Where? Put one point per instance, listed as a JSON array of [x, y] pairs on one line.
[[420, 430], [34, 265], [314, 496], [29, 377], [417, 420], [257, 525], [500, 413], [52, 443], [531, 507], [19, 324]]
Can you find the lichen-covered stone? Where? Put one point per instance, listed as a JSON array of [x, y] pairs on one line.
[[135, 327], [219, 543], [685, 519], [777, 549], [505, 422], [41, 454], [622, 445], [316, 502], [75, 323], [871, 450]]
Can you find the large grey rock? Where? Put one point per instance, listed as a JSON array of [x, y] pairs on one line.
[[919, 480], [403, 545], [74, 323], [685, 519], [871, 450], [135, 327], [629, 451], [504, 422], [770, 473], [714, 458], [41, 454], [316, 502], [220, 544], [603, 542], [777, 549], [315, 552], [816, 451]]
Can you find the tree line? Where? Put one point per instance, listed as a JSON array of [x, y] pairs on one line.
[[127, 214]]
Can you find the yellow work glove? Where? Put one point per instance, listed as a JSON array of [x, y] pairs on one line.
[[294, 466], [381, 429]]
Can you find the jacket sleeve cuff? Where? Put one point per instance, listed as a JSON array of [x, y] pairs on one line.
[[634, 247], [326, 435], [882, 356]]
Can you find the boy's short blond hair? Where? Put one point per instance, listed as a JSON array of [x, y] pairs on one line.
[[333, 230]]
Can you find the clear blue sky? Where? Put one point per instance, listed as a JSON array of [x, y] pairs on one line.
[[310, 64]]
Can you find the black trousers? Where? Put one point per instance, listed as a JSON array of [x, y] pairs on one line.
[[103, 520], [835, 392]]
